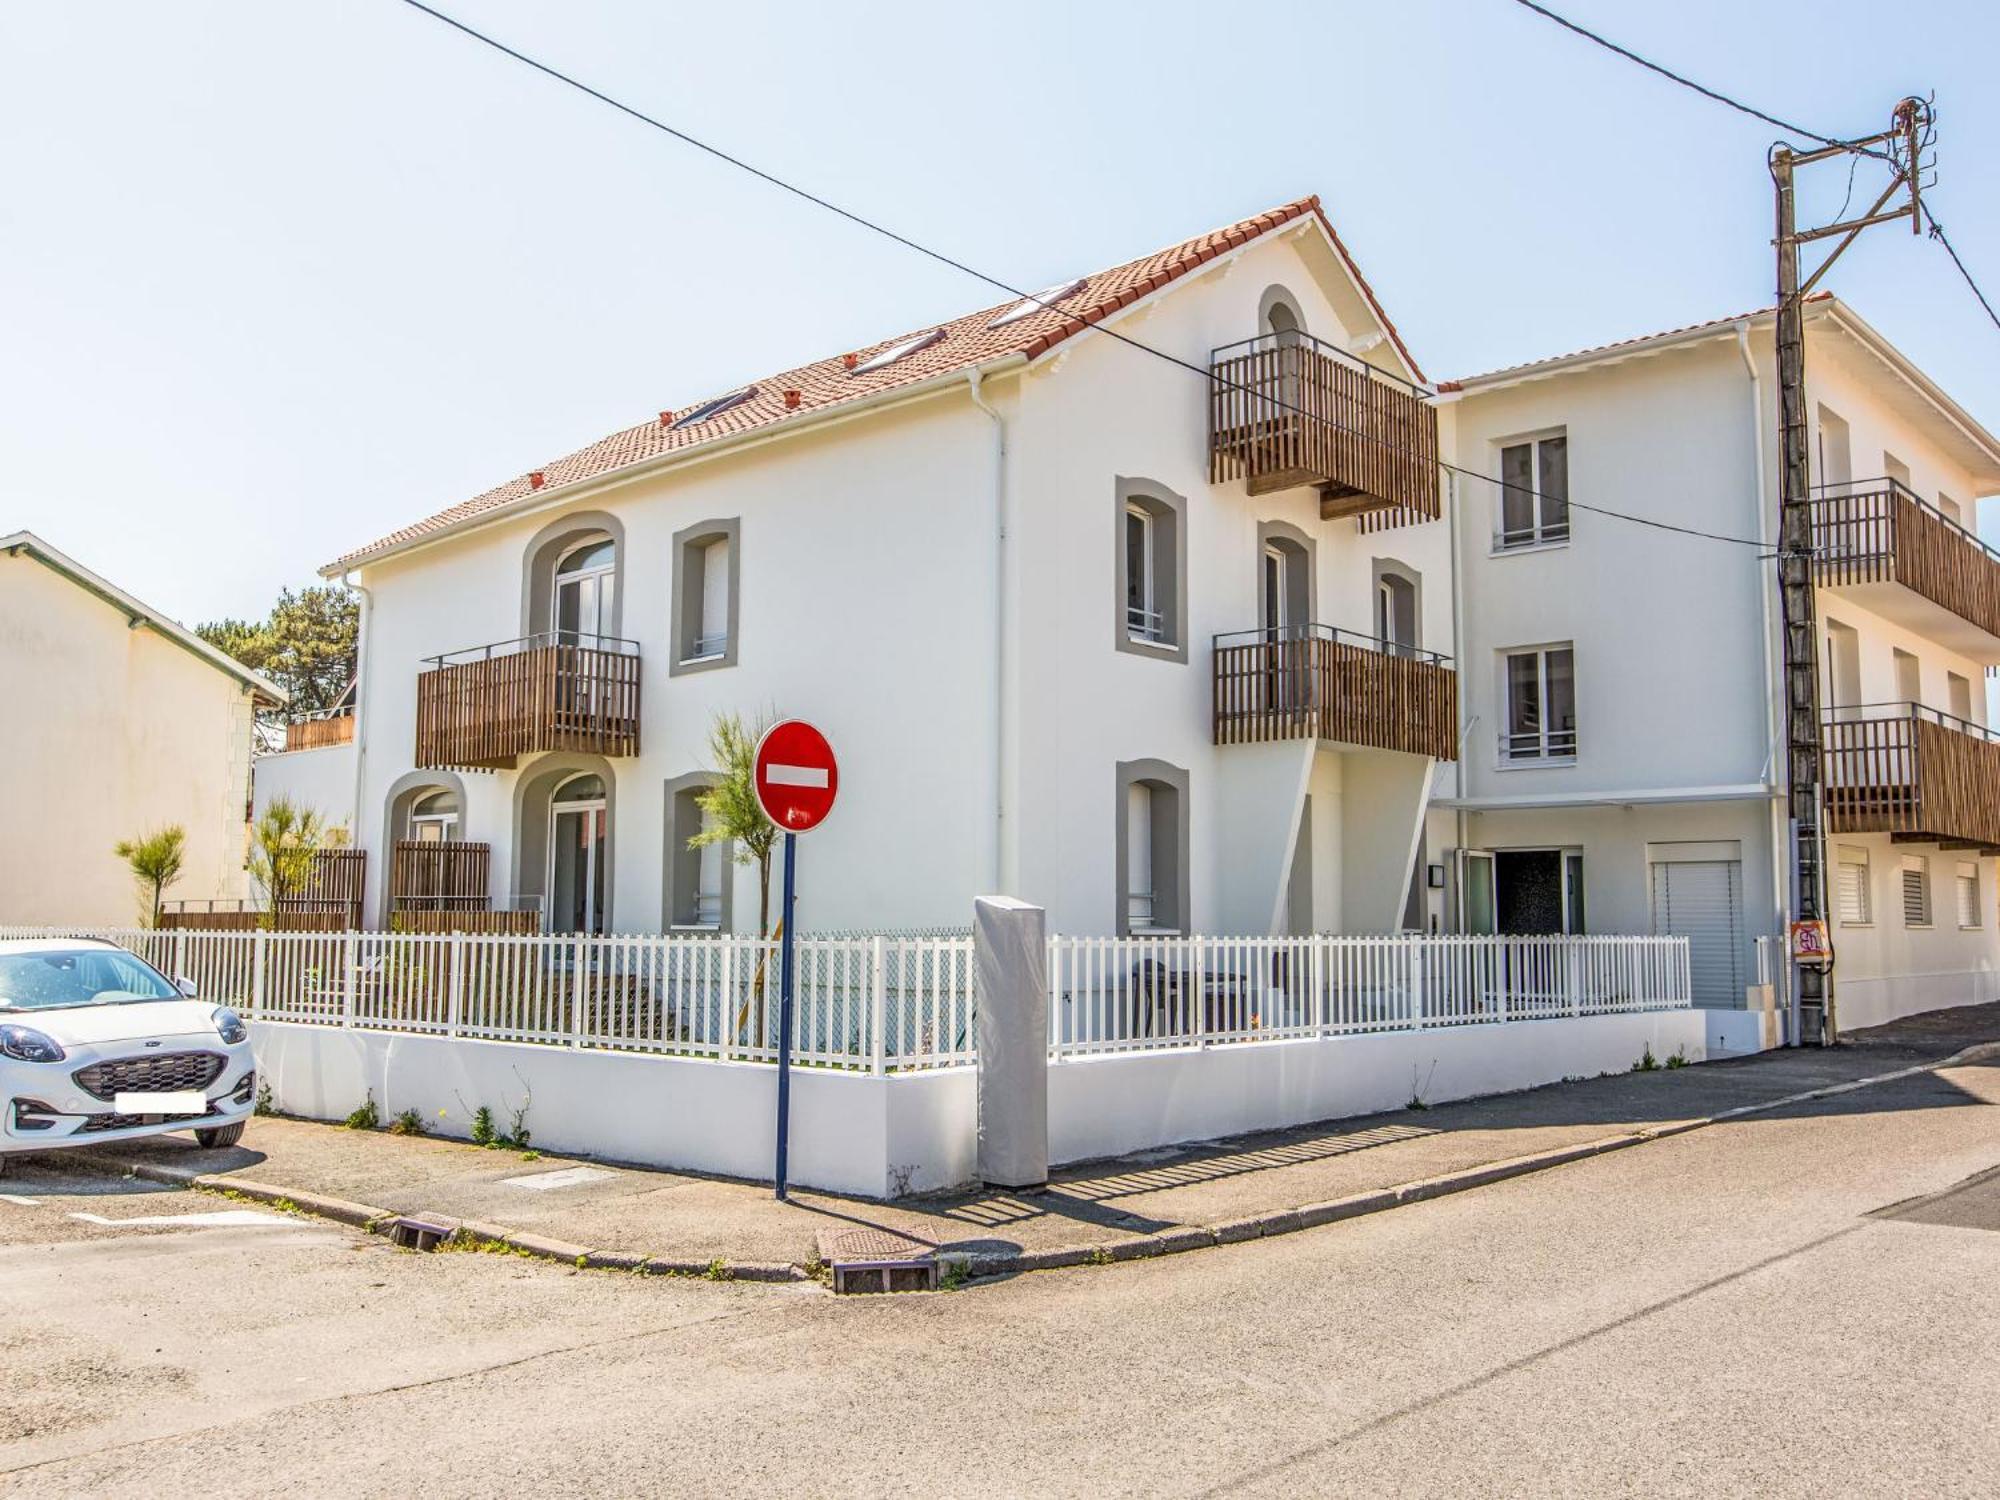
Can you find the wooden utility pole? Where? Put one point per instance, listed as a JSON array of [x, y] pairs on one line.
[[1899, 148]]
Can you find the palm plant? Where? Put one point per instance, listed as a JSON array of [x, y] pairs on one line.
[[282, 846], [155, 860]]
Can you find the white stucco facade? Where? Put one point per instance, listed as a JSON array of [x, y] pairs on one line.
[[937, 584], [1671, 802], [119, 723]]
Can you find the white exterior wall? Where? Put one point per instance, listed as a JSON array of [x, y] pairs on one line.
[[1675, 703], [868, 584], [321, 780], [1105, 411], [112, 731], [863, 556]]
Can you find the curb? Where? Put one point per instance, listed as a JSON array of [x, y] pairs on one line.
[[1172, 1241]]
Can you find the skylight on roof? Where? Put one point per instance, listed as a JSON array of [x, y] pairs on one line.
[[895, 352], [713, 408], [1029, 306]]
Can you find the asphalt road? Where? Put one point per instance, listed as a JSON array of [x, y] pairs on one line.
[[1725, 1313]]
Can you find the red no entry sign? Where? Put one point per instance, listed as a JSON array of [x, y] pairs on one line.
[[796, 775]]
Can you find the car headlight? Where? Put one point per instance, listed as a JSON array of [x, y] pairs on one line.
[[25, 1044], [230, 1025]]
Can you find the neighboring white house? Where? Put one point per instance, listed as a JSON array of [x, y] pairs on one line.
[[1146, 644], [1620, 691], [118, 722]]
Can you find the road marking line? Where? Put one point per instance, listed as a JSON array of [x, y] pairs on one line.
[[23, 1202], [224, 1218]]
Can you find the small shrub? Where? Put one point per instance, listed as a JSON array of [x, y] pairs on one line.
[[1647, 1063], [952, 1275], [483, 1133], [264, 1105], [718, 1270], [1416, 1102], [409, 1122], [367, 1117], [517, 1129], [1100, 1256], [1680, 1058], [531, 1156]]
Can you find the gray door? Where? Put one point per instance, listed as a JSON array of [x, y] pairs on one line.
[[1702, 901]]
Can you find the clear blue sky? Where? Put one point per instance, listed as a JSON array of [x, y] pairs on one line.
[[280, 278]]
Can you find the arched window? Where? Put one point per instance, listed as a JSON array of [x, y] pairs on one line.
[[1398, 601], [584, 601], [1152, 852], [434, 816], [578, 835], [1278, 315]]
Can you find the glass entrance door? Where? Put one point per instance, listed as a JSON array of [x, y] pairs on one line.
[[577, 837]]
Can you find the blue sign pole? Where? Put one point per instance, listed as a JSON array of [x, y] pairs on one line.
[[785, 1010]]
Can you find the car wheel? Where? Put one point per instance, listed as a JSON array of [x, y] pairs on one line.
[[222, 1135]]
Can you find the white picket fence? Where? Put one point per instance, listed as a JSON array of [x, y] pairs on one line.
[[1126, 994], [898, 1003]]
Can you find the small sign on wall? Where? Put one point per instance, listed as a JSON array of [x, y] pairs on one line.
[[1812, 945]]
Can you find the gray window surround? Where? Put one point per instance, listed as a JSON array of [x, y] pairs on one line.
[[1275, 294], [1169, 512], [1389, 567], [1301, 568], [546, 548], [533, 790], [1169, 841], [688, 544], [682, 864], [402, 795]]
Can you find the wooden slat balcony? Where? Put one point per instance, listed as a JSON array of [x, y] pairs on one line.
[[1318, 683], [1909, 562], [1910, 771], [1286, 410], [320, 731], [487, 707], [439, 875]]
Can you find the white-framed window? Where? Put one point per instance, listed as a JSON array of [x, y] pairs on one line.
[[1152, 857], [584, 602], [1541, 705], [1534, 493], [1968, 894], [1916, 891], [1852, 903], [707, 570], [434, 816], [1145, 617]]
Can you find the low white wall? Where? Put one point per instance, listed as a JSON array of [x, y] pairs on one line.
[[851, 1132], [1106, 1106], [1871, 1002]]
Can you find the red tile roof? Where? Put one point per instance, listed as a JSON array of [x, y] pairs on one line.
[[829, 383]]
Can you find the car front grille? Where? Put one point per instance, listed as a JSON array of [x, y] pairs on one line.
[[128, 1122], [170, 1073]]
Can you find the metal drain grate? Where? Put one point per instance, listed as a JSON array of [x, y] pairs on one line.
[[413, 1233], [871, 1259]]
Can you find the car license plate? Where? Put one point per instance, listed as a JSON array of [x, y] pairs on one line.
[[186, 1102]]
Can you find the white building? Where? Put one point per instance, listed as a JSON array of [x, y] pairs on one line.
[[1085, 625], [118, 723], [1621, 696]]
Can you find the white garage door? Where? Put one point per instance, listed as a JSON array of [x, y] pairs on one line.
[[1702, 901]]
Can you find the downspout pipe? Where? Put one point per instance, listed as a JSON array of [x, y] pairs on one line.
[[997, 758], [360, 697], [1773, 710]]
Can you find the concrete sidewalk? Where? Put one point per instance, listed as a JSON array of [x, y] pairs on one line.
[[1150, 1203]]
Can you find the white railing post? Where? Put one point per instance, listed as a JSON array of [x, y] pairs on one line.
[[454, 1005], [878, 1003], [258, 999], [576, 995], [1416, 982], [725, 1011], [180, 953], [1316, 965], [350, 962], [1498, 949], [1572, 980], [1198, 1022]]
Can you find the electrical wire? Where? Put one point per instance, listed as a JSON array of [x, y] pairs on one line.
[[1914, 168], [993, 281]]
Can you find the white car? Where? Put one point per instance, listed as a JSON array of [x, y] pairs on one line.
[[97, 1045]]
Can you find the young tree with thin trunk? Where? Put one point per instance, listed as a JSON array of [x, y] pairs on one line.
[[155, 860], [732, 812], [282, 846]]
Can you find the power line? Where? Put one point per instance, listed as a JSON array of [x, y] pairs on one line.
[[1936, 229], [993, 281]]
